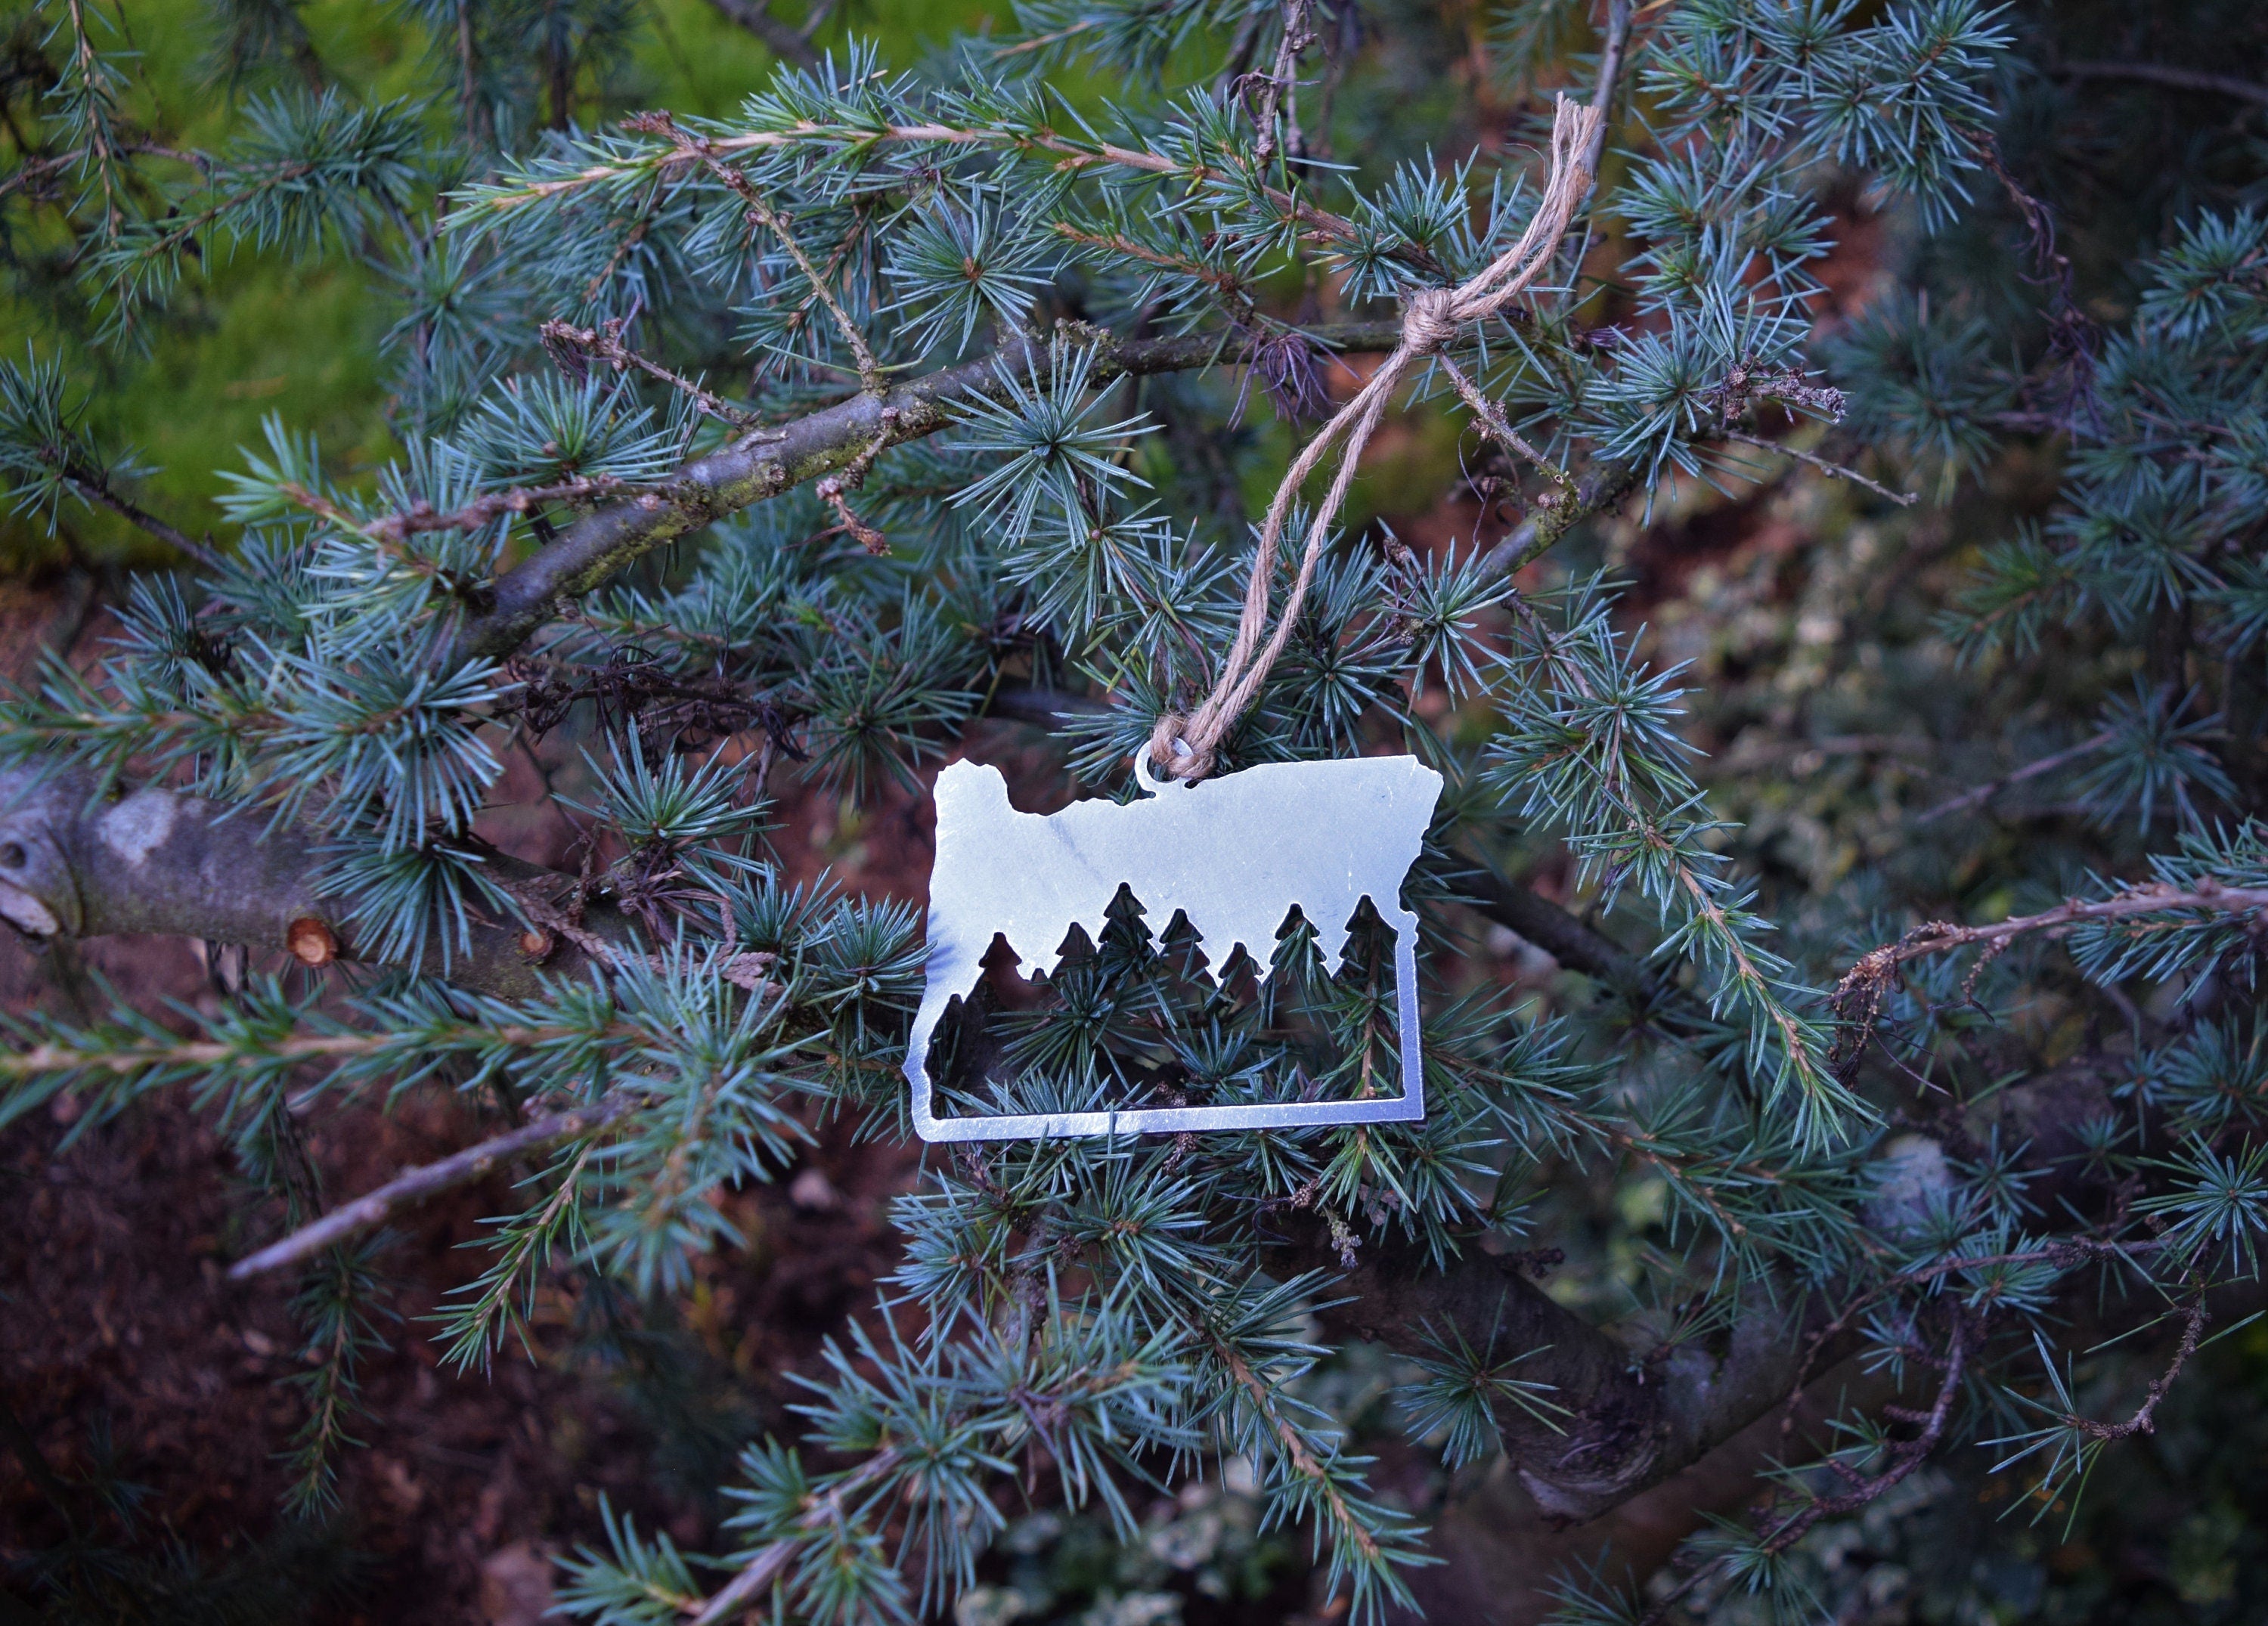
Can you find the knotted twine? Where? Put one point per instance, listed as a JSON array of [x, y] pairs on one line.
[[1183, 747]]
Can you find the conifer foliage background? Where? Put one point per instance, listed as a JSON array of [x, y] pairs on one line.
[[1843, 1023]]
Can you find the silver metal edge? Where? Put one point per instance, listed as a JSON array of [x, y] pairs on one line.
[[1409, 1108]]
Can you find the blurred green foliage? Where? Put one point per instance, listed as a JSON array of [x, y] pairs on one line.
[[258, 335]]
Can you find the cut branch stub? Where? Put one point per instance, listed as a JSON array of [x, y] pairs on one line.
[[158, 862], [310, 942]]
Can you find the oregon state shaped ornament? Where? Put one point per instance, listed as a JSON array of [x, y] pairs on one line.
[[1235, 855]]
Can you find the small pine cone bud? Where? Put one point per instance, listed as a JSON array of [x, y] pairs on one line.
[[310, 942]]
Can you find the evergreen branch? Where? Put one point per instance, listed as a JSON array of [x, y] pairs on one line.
[[1581, 752], [1623, 1425], [2175, 78], [35, 170], [97, 106], [1069, 31], [1833, 471], [335, 1308], [94, 485], [1228, 284], [43, 437], [2143, 898], [1904, 1456], [113, 1056], [1760, 990], [41, 168], [181, 233], [1072, 156], [390, 530], [761, 466], [567, 342], [1597, 490], [762, 213], [526, 1240], [2063, 1252], [1981, 794], [1858, 997], [1492, 420], [1621, 14], [427, 1179], [2144, 1418], [1293, 1444], [825, 1508]]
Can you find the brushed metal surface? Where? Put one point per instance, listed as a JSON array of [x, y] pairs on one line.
[[1234, 853]]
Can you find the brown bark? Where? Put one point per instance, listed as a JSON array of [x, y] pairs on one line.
[[74, 864], [1501, 1554], [782, 40], [1632, 1416], [764, 463]]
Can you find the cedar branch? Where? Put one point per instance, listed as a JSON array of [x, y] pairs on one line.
[[427, 1179], [762, 465]]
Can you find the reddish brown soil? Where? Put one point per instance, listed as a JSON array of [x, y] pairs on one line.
[[118, 1316], [117, 1322]]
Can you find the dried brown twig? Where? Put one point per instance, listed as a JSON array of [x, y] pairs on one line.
[[670, 710], [834, 489], [427, 1179], [568, 345], [712, 156], [1858, 998], [1985, 793], [423, 516]]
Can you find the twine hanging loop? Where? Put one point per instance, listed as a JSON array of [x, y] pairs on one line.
[[1183, 747]]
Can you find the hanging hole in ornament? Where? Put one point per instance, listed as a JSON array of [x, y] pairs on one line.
[[1148, 780]]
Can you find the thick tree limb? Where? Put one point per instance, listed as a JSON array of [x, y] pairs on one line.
[[1557, 933], [74, 865], [1637, 1410], [2174, 78], [1501, 1557], [1631, 1421], [788, 44], [767, 462], [1602, 486]]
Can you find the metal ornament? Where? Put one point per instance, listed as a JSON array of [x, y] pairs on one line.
[[1234, 854]]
